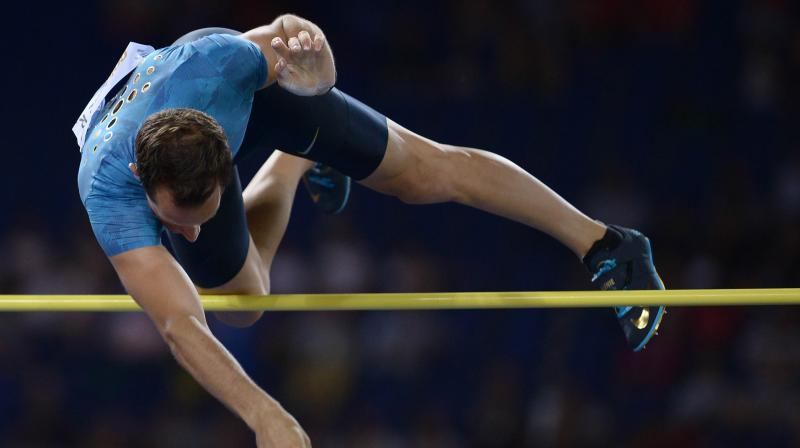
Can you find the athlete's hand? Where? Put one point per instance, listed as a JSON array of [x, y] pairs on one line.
[[305, 63], [280, 430]]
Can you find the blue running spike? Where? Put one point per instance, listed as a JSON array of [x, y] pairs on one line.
[[328, 188], [630, 266]]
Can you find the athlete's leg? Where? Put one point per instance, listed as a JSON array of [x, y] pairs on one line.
[[420, 171], [268, 202], [342, 132]]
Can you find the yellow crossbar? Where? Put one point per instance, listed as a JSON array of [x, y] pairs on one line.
[[421, 301]]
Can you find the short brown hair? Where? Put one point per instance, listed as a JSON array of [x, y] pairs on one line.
[[186, 151]]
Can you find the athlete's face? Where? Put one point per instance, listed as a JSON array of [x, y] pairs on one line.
[[185, 221]]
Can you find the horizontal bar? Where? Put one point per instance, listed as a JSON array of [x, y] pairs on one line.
[[421, 301]]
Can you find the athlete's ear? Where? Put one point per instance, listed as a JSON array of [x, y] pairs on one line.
[[134, 169]]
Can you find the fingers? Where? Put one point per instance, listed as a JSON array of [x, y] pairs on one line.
[[319, 42], [280, 66], [280, 47], [294, 45], [305, 40], [285, 51]]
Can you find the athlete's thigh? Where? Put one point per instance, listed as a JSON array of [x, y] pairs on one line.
[[334, 129], [251, 278]]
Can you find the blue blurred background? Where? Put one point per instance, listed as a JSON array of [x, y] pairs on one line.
[[676, 117]]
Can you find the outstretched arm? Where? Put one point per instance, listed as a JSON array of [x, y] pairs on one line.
[[159, 285], [298, 55]]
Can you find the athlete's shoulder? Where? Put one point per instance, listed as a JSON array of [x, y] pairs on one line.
[[122, 221], [115, 201], [226, 45], [237, 59]]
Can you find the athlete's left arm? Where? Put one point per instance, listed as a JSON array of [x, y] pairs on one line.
[[298, 55]]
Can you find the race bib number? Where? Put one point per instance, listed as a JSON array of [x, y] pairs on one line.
[[130, 58]]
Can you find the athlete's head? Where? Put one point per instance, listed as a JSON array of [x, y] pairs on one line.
[[184, 163]]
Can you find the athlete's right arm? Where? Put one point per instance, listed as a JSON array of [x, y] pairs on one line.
[[161, 287]]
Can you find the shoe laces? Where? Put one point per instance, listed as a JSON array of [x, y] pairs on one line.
[[603, 267], [321, 181]]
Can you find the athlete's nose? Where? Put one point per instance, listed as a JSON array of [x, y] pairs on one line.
[[190, 233]]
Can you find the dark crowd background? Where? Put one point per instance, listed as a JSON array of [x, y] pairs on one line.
[[677, 117]]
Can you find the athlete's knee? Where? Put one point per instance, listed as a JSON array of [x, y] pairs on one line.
[[252, 280], [243, 319], [258, 284]]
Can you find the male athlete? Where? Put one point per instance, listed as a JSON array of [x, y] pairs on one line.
[[162, 155]]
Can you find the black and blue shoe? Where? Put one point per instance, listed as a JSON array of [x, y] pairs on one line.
[[623, 260], [328, 188]]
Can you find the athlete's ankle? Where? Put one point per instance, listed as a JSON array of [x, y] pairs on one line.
[[610, 240]]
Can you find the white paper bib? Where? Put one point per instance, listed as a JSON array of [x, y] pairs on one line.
[[133, 54]]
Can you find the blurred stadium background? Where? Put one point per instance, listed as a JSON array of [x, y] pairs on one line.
[[677, 117]]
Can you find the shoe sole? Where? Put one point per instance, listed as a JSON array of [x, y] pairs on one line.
[[661, 309]]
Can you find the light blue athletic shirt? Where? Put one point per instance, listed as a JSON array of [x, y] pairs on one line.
[[216, 74]]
